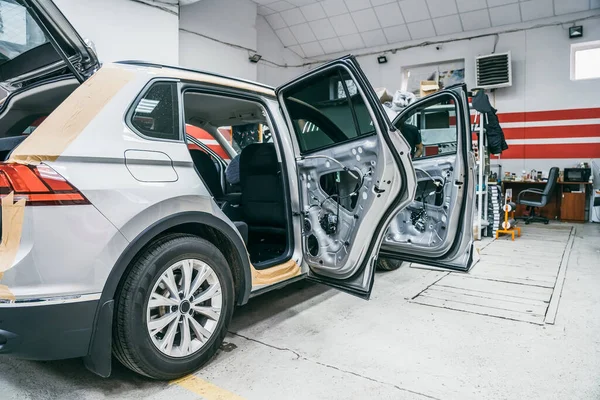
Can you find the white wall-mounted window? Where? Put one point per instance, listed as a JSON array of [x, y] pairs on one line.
[[585, 60]]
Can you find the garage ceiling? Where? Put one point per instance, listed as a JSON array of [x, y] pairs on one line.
[[168, 5], [174, 2], [315, 27]]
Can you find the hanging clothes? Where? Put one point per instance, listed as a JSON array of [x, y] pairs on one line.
[[496, 143]]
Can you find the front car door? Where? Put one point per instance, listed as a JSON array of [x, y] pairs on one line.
[[354, 172], [437, 227]]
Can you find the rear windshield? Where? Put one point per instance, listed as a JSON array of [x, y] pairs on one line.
[[18, 31]]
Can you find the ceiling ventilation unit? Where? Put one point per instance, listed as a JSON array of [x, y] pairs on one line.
[[493, 71]]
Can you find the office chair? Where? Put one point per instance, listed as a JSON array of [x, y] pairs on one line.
[[544, 195]]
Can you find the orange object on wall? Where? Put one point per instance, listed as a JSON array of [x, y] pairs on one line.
[[207, 139]]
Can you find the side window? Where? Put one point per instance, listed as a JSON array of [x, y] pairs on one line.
[[243, 135], [352, 90], [431, 129], [156, 115], [327, 109]]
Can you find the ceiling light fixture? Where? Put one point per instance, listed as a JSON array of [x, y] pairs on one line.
[[382, 59]]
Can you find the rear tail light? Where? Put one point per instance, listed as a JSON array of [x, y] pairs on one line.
[[39, 185]]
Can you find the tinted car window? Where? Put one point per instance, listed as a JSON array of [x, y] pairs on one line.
[[156, 115], [433, 125], [19, 32], [327, 109]]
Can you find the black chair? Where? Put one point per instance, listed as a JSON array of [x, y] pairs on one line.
[[544, 197]]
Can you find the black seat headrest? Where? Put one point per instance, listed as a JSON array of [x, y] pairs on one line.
[[259, 159]]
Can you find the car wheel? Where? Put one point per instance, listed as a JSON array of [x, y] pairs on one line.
[[173, 308], [388, 264]]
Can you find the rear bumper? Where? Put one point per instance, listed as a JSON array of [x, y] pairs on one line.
[[47, 331]]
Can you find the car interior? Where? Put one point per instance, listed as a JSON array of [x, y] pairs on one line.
[[257, 203], [24, 109]]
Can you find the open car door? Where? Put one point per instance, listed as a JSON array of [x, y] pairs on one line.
[[354, 172], [38, 42], [437, 227]]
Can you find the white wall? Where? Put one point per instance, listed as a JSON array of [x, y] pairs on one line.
[[207, 55], [234, 24], [129, 30], [205, 25], [125, 30], [541, 82], [540, 62], [272, 50]]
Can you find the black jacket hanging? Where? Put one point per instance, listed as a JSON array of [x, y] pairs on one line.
[[496, 143]]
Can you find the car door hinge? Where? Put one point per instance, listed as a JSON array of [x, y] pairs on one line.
[[297, 213]]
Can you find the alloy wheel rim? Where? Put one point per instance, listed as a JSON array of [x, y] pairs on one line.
[[184, 308]]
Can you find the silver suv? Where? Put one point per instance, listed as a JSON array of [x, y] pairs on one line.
[[122, 236]]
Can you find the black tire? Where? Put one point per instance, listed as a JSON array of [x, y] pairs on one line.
[[132, 344], [388, 264]]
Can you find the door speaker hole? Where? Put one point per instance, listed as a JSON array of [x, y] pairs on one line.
[[313, 245]]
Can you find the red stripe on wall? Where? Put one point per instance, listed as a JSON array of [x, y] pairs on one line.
[[197, 133], [547, 132], [511, 117], [575, 150], [513, 151], [216, 148], [518, 133], [550, 115], [219, 150], [202, 135], [537, 116]]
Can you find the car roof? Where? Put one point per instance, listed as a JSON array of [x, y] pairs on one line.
[[203, 76]]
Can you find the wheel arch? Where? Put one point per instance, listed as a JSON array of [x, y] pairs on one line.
[[202, 224]]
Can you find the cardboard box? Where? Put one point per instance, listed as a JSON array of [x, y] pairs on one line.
[[429, 87], [383, 95]]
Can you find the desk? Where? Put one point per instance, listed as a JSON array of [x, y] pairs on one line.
[[563, 204]]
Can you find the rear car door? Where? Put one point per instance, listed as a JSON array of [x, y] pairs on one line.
[[354, 172], [437, 227]]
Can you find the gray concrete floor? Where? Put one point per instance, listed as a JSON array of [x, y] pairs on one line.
[[310, 342]]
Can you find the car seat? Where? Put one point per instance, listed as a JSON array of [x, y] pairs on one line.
[[208, 172], [262, 198]]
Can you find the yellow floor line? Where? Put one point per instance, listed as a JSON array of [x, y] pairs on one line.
[[205, 389]]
